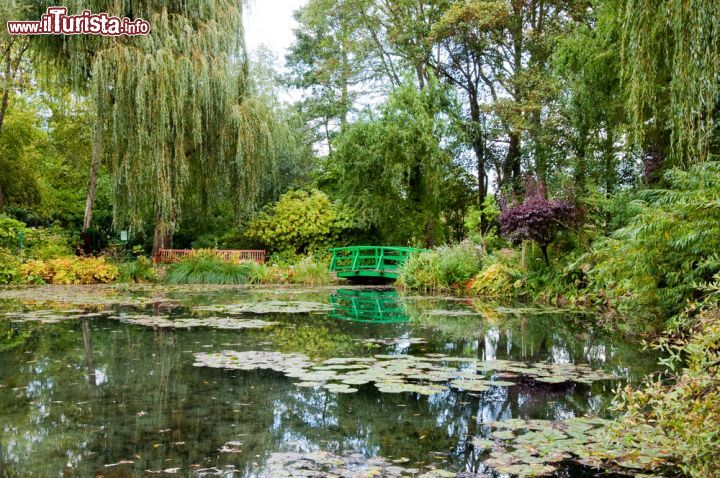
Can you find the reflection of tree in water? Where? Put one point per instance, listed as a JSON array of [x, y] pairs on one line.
[[524, 334], [44, 379]]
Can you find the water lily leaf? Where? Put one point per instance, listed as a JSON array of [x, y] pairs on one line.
[[527, 470], [482, 443], [503, 435]]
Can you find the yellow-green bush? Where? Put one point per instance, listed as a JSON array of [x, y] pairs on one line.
[[138, 271], [69, 270], [300, 223], [9, 267], [499, 279]]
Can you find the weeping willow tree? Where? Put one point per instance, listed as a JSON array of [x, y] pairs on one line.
[[671, 65], [175, 111]]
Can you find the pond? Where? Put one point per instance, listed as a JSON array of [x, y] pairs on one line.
[[260, 381]]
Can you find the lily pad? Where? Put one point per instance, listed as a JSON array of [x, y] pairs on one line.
[[523, 470]]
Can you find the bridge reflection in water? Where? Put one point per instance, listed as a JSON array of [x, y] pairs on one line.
[[377, 306]]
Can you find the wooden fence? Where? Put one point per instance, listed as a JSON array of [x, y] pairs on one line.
[[165, 256]]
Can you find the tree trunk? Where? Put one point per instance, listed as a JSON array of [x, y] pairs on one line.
[[161, 237], [478, 144], [8, 83], [92, 181], [511, 165], [540, 159], [10, 74], [430, 233], [581, 164], [3, 106], [3, 109], [609, 156], [544, 249]]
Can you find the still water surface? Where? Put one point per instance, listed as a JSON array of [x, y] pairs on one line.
[[98, 396]]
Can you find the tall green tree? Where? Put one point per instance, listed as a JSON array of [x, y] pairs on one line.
[[173, 108], [13, 69], [396, 168], [592, 106], [509, 46], [329, 59], [670, 66]]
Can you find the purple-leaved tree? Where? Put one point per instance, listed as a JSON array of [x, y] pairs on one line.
[[536, 218]]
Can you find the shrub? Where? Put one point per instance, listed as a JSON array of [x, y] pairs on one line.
[[500, 278], [311, 272], [138, 271], [51, 251], [204, 267], [264, 274], [441, 269], [302, 222], [682, 413], [50, 243], [480, 225], [9, 267], [536, 218], [652, 265], [70, 270], [9, 231]]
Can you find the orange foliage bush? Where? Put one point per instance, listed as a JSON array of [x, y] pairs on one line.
[[69, 270]]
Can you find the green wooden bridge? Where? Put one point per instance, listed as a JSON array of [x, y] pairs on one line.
[[370, 263]]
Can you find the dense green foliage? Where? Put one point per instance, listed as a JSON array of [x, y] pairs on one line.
[[205, 267], [444, 268], [414, 184], [669, 244], [9, 267], [671, 64], [302, 222], [682, 412]]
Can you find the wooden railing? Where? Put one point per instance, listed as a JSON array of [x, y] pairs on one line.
[[173, 255]]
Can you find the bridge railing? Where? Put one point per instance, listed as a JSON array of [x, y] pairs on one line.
[[165, 256], [383, 259]]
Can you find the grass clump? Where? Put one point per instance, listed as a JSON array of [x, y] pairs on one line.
[[206, 268], [444, 268], [136, 272], [312, 272]]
